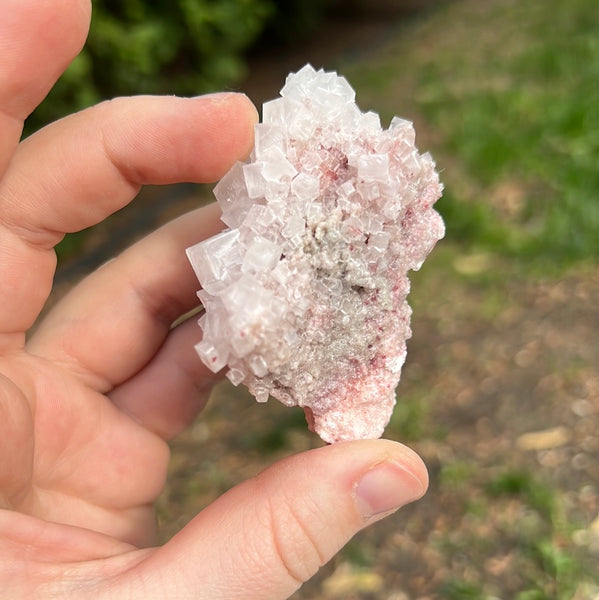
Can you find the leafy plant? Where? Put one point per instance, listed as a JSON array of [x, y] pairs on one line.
[[185, 47]]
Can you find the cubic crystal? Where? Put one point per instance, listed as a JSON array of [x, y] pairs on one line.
[[305, 293]]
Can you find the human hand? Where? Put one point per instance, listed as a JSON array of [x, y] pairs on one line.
[[89, 400]]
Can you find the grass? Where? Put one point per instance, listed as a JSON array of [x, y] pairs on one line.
[[509, 91], [523, 518], [522, 484], [550, 568], [410, 419]]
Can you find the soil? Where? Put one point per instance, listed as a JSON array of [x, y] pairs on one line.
[[500, 379], [503, 381]]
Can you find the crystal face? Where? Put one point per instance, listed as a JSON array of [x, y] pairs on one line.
[[305, 291]]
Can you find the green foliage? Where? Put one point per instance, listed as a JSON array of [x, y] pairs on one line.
[[461, 590], [524, 485], [456, 475], [185, 47], [532, 595], [556, 568], [410, 416]]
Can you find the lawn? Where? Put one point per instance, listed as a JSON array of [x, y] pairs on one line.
[[509, 91]]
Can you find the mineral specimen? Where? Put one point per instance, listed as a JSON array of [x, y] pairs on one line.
[[305, 291]]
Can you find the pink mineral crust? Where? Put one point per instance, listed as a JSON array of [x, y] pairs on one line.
[[305, 291]]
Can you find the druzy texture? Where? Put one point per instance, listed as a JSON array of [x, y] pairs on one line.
[[305, 290]]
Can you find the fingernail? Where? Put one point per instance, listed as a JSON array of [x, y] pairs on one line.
[[385, 488]]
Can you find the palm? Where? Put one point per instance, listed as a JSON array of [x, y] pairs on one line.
[[95, 467]]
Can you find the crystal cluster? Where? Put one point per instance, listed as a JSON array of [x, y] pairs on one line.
[[305, 291]]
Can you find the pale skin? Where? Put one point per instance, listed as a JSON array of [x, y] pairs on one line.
[[90, 397]]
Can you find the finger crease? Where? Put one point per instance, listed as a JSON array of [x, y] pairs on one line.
[[38, 238], [298, 575], [123, 172]]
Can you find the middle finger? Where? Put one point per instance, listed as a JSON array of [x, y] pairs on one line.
[[111, 325]]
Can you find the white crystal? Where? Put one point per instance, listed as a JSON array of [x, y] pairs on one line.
[[294, 227], [379, 240], [305, 187], [374, 167], [212, 259], [255, 182], [231, 192], [235, 376], [273, 113], [270, 136], [213, 357], [276, 167], [261, 255], [370, 120], [305, 293], [258, 365]]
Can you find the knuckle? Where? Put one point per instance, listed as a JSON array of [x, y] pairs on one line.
[[296, 541]]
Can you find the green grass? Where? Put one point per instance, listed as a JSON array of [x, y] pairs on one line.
[[461, 590], [555, 569], [527, 519], [510, 94], [410, 418]]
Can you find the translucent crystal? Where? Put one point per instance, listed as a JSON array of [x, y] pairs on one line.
[[305, 187], [235, 376], [213, 258], [231, 191], [255, 182], [261, 255], [374, 167], [305, 293]]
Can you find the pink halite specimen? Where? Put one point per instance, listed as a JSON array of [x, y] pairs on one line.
[[305, 292]]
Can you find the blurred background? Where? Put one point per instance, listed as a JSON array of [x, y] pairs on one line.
[[500, 392]]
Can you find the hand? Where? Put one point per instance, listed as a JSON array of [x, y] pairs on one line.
[[88, 401]]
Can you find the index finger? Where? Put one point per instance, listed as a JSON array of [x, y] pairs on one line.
[[77, 171], [37, 42]]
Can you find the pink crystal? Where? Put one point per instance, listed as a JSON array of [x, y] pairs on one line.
[[305, 292]]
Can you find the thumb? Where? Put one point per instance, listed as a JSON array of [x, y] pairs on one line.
[[270, 534]]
